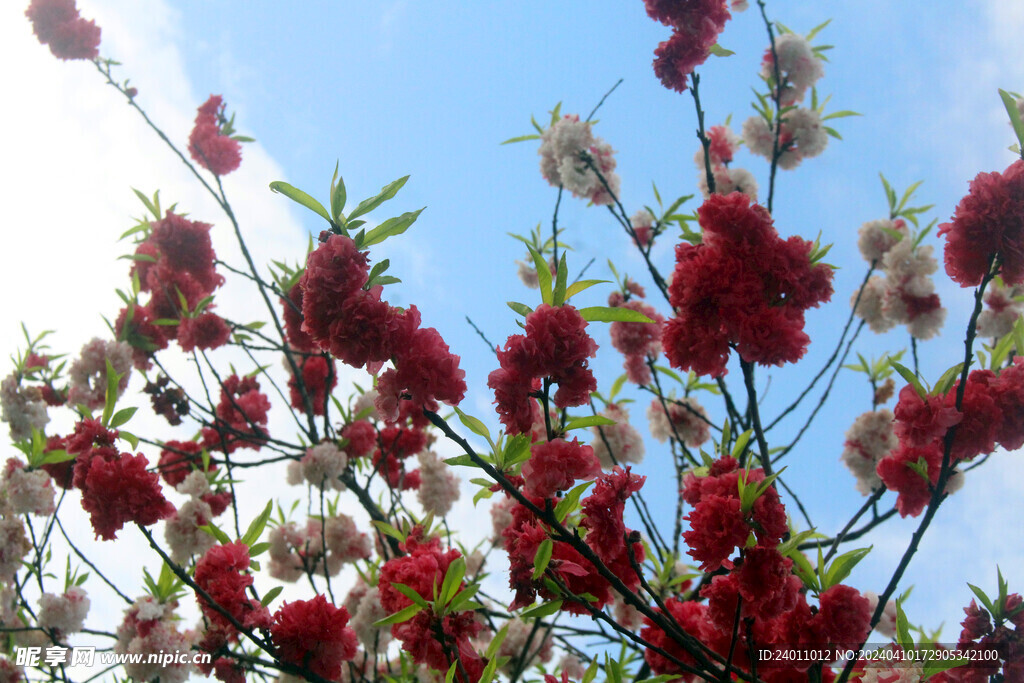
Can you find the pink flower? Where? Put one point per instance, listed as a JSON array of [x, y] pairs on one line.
[[121, 490], [223, 573], [56, 23], [208, 146]]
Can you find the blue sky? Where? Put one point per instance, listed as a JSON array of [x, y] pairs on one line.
[[430, 89]]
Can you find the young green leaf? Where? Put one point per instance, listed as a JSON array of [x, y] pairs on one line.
[[588, 421], [390, 228], [399, 617], [270, 595], [256, 527], [540, 562], [387, 192], [300, 197], [543, 276], [609, 314]]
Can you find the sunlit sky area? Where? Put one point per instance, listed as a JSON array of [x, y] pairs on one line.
[[386, 89]]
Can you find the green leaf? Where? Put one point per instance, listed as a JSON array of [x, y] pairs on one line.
[[719, 51], [492, 649], [938, 665], [459, 461], [544, 609], [521, 309], [840, 114], [147, 203], [452, 580], [258, 549], [568, 504], [121, 417], [911, 378], [802, 568], [561, 275], [129, 437], [216, 532], [945, 383], [521, 138], [543, 275], [617, 386], [985, 601], [591, 673], [903, 637], [1011, 109], [57, 456], [399, 617], [543, 557], [462, 598], [256, 527], [387, 192], [111, 397], [269, 596], [833, 132], [580, 285], [609, 314], [408, 592], [388, 530], [474, 425], [338, 194], [300, 197], [588, 421], [390, 228], [843, 565]]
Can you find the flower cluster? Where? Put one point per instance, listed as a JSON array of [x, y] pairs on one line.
[[990, 414], [175, 265], [619, 443], [24, 491], [556, 465], [183, 530], [743, 286], [906, 295], [563, 149], [208, 144], [241, 416], [696, 25], [88, 373], [223, 574], [57, 23], [638, 342], [151, 626], [868, 440], [799, 68], [1004, 305], [350, 321], [801, 135], [722, 146], [430, 639], [719, 523], [685, 421], [65, 613], [987, 227], [296, 552], [555, 347], [22, 407], [314, 634]]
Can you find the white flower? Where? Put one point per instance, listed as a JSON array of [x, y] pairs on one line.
[[688, 417], [182, 531], [323, 464], [27, 491], [64, 613], [22, 408], [439, 485], [799, 68], [619, 443], [875, 238], [14, 545], [365, 615], [868, 440], [562, 148], [88, 374]]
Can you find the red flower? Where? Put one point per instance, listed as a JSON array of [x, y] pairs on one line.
[[222, 574], [718, 527], [606, 532], [425, 372], [206, 331], [556, 465], [912, 488], [314, 634], [922, 421], [183, 246], [177, 460], [362, 437], [56, 23], [988, 222], [292, 316], [319, 377], [119, 491], [692, 618], [209, 147], [845, 615]]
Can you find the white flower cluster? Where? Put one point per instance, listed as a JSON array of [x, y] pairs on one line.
[[24, 491], [562, 164], [906, 294], [294, 551], [687, 415], [22, 408], [150, 626], [439, 485], [868, 440], [724, 143], [617, 444], [1003, 308], [321, 467], [363, 604], [14, 545], [88, 374], [801, 136], [799, 68], [182, 531], [64, 613]]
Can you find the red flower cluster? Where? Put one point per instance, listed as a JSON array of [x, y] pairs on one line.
[[360, 329], [175, 264], [396, 444], [992, 413], [56, 23], [523, 538], [223, 574], [718, 522], [179, 458], [979, 633], [742, 286], [241, 416], [209, 147], [556, 346], [314, 634], [423, 569], [607, 534], [557, 465], [988, 222], [319, 377], [116, 488], [696, 25], [637, 341]]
